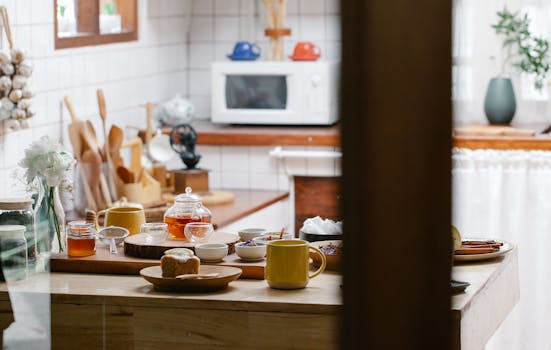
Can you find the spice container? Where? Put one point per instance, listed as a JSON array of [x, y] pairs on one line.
[[13, 252], [187, 208], [18, 211], [81, 238]]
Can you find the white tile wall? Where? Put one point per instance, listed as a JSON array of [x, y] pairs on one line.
[[153, 68], [251, 167], [165, 61], [217, 24]]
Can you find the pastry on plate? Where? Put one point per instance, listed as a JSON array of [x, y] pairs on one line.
[[175, 265]]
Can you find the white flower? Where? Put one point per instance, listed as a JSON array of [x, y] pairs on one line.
[[46, 158]]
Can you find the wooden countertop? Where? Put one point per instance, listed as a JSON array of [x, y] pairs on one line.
[[322, 295], [493, 293], [245, 135], [537, 142], [246, 202], [126, 309]]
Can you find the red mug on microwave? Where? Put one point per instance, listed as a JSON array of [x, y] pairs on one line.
[[306, 51]]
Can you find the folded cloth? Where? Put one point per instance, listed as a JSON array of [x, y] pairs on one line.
[[320, 226]]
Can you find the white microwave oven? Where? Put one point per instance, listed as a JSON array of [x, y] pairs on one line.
[[267, 92]]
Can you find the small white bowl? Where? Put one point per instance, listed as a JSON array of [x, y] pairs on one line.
[[211, 252], [272, 236], [248, 234], [251, 253]]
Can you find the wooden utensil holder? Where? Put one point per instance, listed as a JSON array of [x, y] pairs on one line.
[[147, 189], [275, 19]]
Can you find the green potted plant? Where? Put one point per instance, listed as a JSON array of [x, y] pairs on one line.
[[522, 50]]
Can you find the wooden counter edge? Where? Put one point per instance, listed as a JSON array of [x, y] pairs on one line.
[[252, 210], [254, 139], [502, 143]]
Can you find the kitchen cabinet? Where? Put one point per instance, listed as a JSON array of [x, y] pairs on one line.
[[315, 196]]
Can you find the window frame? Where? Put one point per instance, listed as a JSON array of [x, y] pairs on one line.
[[90, 28]]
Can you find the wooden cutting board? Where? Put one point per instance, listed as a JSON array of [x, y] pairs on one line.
[[119, 264], [137, 246]]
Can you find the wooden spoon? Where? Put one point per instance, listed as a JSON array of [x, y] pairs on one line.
[[76, 142], [110, 168], [127, 176], [116, 138], [93, 163]]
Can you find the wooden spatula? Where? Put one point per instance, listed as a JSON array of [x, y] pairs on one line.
[[110, 168], [126, 175], [76, 142], [116, 138], [92, 162]]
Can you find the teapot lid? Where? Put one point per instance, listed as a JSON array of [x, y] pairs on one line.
[[188, 196]]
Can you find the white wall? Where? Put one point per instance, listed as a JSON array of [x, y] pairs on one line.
[[166, 60], [151, 69], [217, 24]]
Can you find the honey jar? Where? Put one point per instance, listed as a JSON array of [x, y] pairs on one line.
[[81, 238]]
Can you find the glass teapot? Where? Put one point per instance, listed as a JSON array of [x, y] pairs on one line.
[[187, 208]]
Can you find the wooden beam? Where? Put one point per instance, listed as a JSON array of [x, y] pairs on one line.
[[396, 121]]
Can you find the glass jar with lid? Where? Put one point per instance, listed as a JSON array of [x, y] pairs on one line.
[[81, 238], [13, 252], [187, 208], [18, 211]]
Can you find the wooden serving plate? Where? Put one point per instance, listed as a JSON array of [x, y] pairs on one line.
[[137, 246], [226, 275]]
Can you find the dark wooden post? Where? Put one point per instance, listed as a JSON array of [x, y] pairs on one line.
[[396, 138]]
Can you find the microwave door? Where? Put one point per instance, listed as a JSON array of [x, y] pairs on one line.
[[260, 99]]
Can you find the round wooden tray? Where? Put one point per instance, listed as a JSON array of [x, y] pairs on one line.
[[154, 275], [137, 246]]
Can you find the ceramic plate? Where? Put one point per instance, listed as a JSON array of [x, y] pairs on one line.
[[332, 261], [226, 275], [476, 257]]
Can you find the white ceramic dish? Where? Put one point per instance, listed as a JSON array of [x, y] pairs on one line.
[[272, 236], [251, 253], [476, 257], [211, 252], [250, 233]]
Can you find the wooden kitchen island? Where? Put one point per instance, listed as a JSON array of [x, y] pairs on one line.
[[91, 311]]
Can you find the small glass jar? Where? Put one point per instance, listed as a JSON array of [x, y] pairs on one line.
[[81, 238], [13, 252], [155, 232], [187, 208], [18, 211]]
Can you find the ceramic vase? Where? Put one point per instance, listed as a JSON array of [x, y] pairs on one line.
[[500, 104]]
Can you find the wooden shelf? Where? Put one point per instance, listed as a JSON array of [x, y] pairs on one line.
[[225, 135], [537, 142], [503, 142]]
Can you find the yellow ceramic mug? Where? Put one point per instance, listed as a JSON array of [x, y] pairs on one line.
[[288, 262], [127, 217]]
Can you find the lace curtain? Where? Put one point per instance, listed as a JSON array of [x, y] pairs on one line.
[[507, 194]]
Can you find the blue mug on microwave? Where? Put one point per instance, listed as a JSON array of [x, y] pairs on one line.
[[245, 51]]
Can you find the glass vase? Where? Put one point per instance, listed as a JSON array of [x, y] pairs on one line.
[[50, 219]]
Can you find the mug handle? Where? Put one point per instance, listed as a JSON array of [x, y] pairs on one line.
[[323, 261], [256, 49], [98, 214], [317, 50]]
